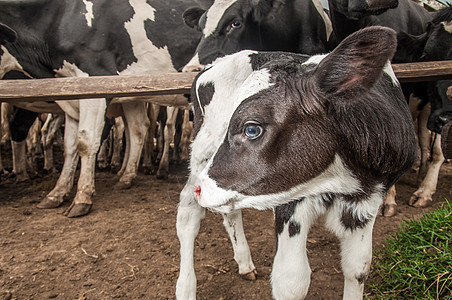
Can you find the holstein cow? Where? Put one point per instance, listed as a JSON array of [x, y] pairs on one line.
[[407, 19], [84, 38], [273, 25], [432, 45], [306, 136]]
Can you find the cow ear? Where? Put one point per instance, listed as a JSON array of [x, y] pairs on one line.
[[262, 8], [410, 47], [357, 62], [7, 34], [191, 17]]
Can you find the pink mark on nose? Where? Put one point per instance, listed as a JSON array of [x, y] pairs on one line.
[[197, 191]]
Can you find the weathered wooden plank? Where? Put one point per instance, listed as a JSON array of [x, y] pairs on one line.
[[71, 88], [162, 84], [423, 71]]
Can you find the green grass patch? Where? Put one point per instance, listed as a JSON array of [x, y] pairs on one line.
[[416, 263]]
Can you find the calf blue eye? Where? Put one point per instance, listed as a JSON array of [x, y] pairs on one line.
[[253, 131], [236, 24]]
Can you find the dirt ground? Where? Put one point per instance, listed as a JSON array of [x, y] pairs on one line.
[[127, 246]]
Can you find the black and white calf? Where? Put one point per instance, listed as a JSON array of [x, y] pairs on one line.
[[306, 136]]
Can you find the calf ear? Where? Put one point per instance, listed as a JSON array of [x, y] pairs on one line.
[[191, 17], [357, 63], [262, 8]]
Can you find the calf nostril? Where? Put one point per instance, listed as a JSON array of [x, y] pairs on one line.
[[197, 191]]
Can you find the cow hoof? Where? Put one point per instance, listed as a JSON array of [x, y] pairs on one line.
[[420, 202], [77, 210], [389, 210], [20, 177], [162, 174], [123, 185], [48, 203], [251, 276]]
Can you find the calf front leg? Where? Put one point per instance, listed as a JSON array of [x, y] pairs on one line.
[[242, 255], [352, 221], [189, 216], [291, 274]]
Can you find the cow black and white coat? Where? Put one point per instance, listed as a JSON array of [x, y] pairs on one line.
[[82, 38], [306, 136]]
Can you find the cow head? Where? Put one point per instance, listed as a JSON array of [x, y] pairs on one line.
[[280, 140], [356, 9], [225, 27]]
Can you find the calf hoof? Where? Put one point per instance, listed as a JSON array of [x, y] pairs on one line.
[[251, 276], [420, 202], [389, 210], [48, 203], [77, 210]]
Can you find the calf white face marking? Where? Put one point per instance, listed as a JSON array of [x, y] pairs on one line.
[[214, 15], [335, 179], [150, 59], [89, 16], [218, 112]]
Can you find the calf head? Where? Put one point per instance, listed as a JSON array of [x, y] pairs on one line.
[[225, 27], [295, 125]]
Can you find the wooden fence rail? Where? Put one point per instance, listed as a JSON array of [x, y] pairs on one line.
[[71, 88]]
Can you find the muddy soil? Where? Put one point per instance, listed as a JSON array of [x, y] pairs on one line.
[[127, 246]]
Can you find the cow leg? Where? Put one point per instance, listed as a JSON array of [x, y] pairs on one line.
[[33, 146], [177, 137], [48, 131], [92, 121], [390, 205], [6, 112], [19, 150], [291, 273], [189, 216], [242, 254], [118, 134], [168, 133], [187, 128], [148, 147], [423, 196], [425, 141], [137, 124], [127, 148], [20, 123], [66, 180], [102, 156]]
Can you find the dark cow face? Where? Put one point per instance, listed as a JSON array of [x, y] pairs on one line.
[[356, 9], [224, 26], [282, 140]]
